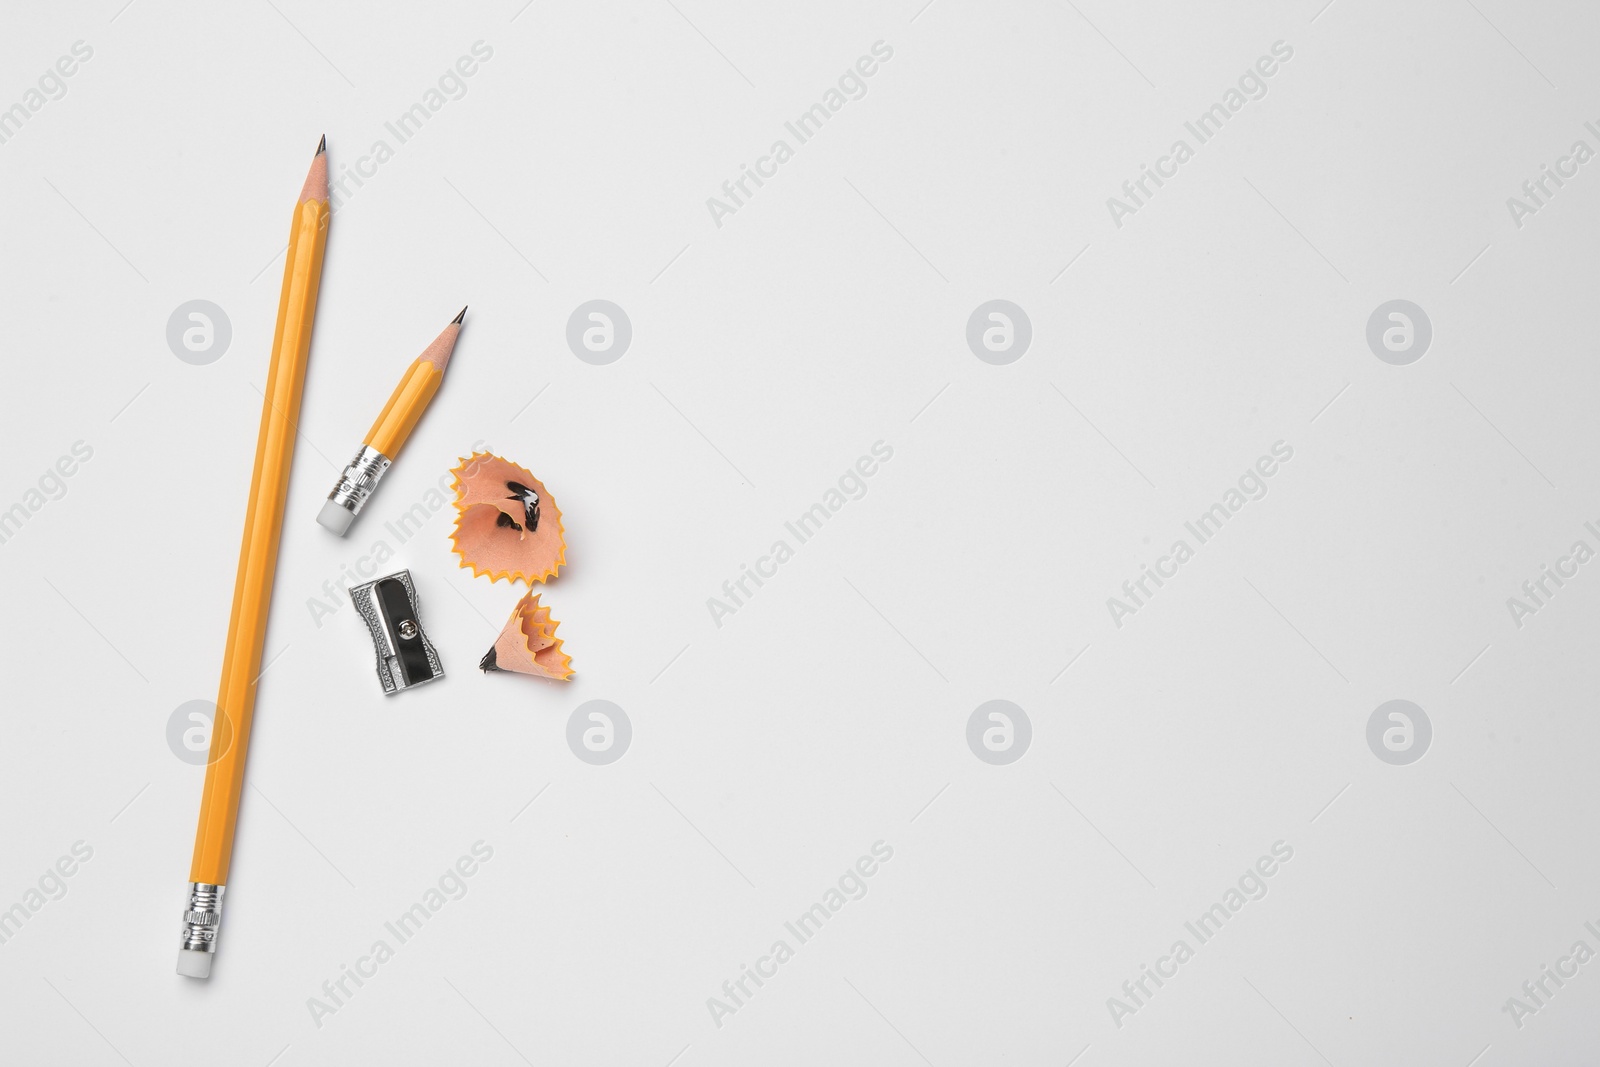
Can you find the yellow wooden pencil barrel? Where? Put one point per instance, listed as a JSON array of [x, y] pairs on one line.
[[406, 405], [258, 557]]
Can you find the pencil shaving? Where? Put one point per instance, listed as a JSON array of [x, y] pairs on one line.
[[508, 524], [528, 644]]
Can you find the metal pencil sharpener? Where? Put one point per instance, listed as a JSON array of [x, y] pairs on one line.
[[406, 657]]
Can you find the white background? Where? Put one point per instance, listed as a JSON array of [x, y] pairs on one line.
[[830, 711]]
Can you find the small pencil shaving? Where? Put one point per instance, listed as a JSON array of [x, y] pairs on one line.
[[508, 525], [528, 644]]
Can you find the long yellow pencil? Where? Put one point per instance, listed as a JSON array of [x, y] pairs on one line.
[[258, 560], [388, 434]]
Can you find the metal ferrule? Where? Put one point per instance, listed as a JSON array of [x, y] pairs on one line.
[[203, 917], [359, 479]]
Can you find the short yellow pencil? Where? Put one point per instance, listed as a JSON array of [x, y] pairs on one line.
[[258, 559], [388, 434]]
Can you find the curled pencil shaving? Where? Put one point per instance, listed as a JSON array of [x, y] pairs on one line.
[[528, 644], [508, 524]]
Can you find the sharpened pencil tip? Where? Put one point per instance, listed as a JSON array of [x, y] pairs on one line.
[[438, 353], [322, 145]]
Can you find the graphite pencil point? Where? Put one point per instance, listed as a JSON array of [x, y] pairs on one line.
[[322, 146]]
